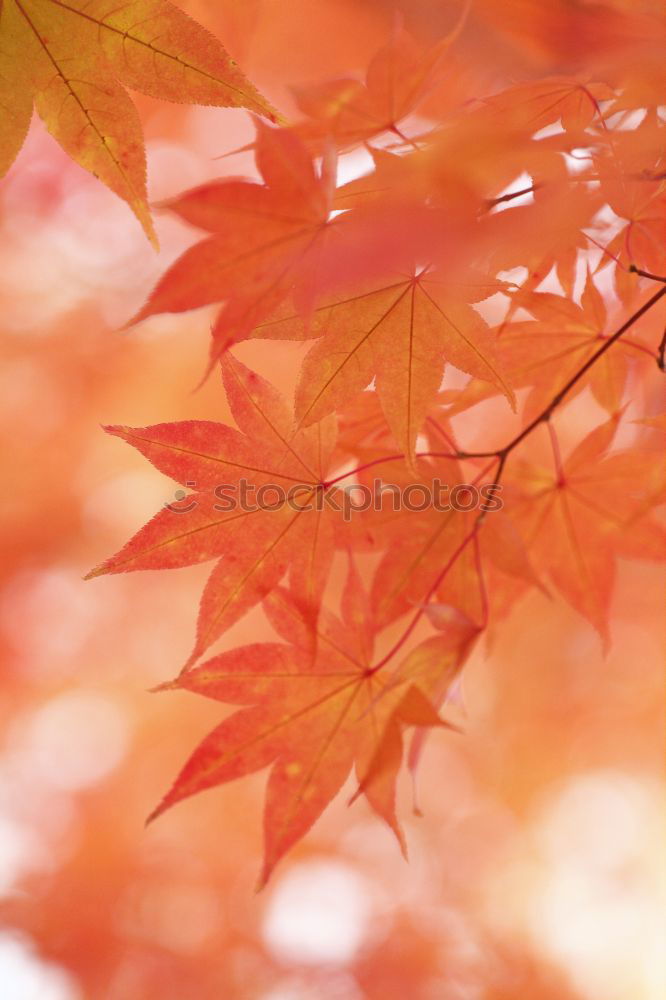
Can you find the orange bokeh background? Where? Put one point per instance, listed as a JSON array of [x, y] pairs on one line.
[[535, 868]]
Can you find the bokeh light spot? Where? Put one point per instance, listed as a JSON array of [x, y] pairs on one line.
[[318, 913], [76, 739]]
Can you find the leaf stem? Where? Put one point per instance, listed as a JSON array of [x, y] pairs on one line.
[[646, 274], [419, 614]]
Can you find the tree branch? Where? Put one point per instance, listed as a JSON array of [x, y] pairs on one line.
[[502, 454]]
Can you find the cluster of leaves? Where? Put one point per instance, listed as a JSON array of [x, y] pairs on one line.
[[437, 258]]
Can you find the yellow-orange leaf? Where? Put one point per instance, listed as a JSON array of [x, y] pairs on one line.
[[402, 332], [72, 58]]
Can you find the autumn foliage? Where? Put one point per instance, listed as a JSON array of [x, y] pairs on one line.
[[455, 236]]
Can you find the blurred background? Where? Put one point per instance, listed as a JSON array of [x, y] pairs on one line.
[[535, 868]]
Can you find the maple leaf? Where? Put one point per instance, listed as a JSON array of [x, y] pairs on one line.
[[264, 237], [631, 172], [572, 102], [289, 526], [580, 514], [72, 57], [401, 333], [312, 718], [542, 353], [278, 240], [567, 340], [398, 77], [550, 177]]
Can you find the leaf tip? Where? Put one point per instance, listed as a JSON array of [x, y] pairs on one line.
[[262, 881], [152, 817], [158, 810], [100, 570], [355, 796], [172, 685], [140, 208], [138, 317], [117, 430], [402, 842]]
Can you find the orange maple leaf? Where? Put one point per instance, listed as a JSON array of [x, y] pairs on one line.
[[576, 516], [572, 102], [399, 76], [543, 352], [632, 180], [400, 332], [285, 527], [264, 237], [312, 717]]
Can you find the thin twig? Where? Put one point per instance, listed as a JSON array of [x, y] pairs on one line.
[[502, 454], [645, 274], [661, 353], [491, 202]]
